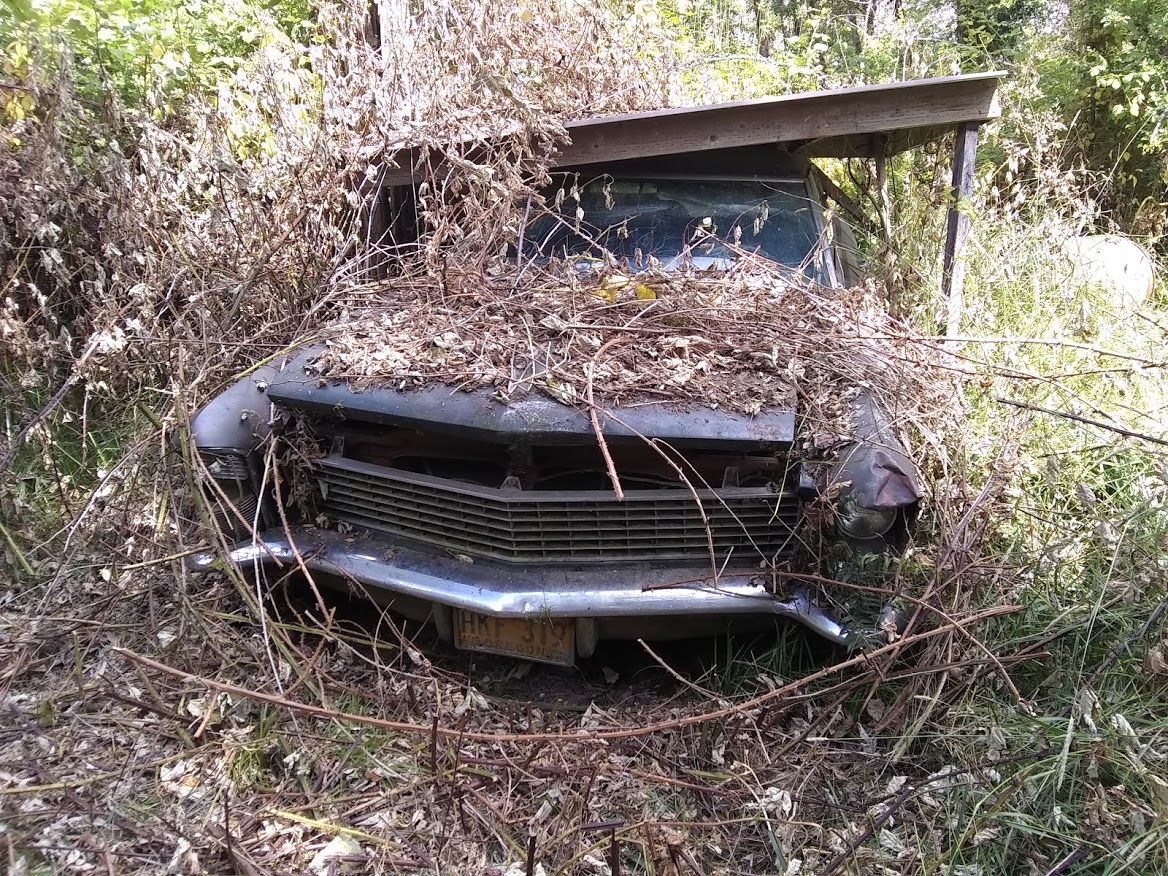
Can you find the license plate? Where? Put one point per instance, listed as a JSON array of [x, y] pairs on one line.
[[546, 640]]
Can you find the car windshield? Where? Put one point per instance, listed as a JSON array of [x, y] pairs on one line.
[[671, 222]]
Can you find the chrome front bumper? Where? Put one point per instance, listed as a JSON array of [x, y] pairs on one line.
[[504, 591]]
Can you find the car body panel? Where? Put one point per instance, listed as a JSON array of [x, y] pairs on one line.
[[539, 419]]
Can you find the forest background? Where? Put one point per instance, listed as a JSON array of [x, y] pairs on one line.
[[180, 196]]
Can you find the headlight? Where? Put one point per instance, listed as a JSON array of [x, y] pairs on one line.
[[864, 523], [233, 497]]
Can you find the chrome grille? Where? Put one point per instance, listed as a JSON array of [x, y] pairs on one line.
[[563, 527], [231, 520]]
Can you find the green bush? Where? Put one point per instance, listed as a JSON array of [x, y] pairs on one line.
[[1109, 78], [144, 52]]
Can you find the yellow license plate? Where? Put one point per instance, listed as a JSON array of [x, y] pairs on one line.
[[547, 640]]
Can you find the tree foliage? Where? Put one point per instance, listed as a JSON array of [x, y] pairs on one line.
[[1112, 83], [143, 51], [992, 31], [1088, 78]]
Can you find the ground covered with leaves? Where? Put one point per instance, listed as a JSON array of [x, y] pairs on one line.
[[129, 748]]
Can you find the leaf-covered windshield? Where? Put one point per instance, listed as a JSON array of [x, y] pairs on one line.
[[678, 221]]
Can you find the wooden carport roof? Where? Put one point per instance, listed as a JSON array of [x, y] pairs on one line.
[[867, 121], [863, 121]]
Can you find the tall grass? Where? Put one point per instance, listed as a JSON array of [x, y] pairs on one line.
[[1077, 536]]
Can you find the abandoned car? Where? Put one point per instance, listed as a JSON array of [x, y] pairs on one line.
[[497, 520]]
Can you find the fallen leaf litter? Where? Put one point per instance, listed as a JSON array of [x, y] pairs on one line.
[[747, 339]]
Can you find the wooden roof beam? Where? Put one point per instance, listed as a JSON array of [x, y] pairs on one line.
[[837, 123], [944, 102]]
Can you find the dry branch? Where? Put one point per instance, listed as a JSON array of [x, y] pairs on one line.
[[435, 731], [1078, 418]]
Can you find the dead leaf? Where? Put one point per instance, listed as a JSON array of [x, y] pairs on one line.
[[1156, 660], [338, 847]]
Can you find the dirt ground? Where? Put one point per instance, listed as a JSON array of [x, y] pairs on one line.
[[138, 736]]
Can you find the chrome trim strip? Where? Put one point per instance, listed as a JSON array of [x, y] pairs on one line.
[[524, 592], [535, 498]]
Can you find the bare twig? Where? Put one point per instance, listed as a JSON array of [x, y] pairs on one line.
[[1110, 427], [624, 733], [612, 475], [677, 676]]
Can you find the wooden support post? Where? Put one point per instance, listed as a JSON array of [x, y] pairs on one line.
[[883, 200], [373, 24], [386, 25], [957, 233]]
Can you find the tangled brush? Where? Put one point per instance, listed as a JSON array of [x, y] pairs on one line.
[[746, 339]]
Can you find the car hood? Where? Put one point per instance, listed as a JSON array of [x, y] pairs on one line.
[[530, 414]]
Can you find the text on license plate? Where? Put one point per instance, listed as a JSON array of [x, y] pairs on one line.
[[548, 640]]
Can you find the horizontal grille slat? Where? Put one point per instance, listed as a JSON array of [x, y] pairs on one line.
[[546, 526], [517, 523], [225, 466], [682, 532], [582, 543], [685, 510], [684, 505]]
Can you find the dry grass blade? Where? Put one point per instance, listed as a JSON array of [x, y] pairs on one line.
[[702, 717]]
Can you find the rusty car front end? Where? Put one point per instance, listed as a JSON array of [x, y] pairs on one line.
[[496, 515]]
